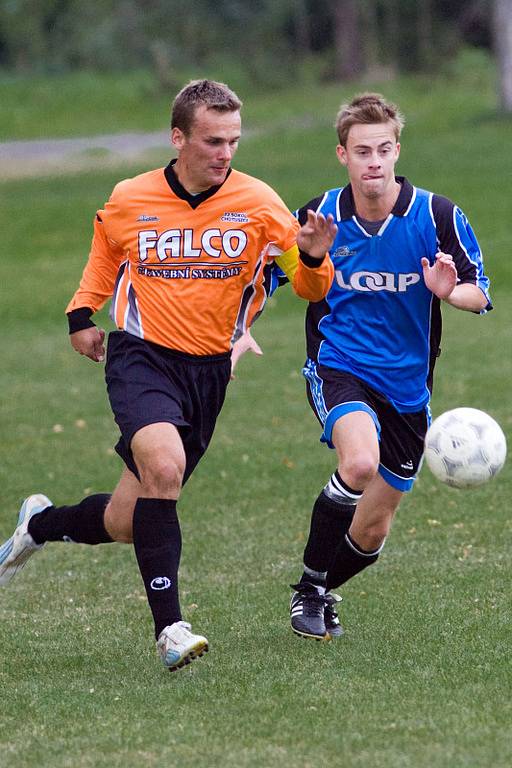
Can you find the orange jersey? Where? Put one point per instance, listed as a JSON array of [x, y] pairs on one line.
[[191, 272]]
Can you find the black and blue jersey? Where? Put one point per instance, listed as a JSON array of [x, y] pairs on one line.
[[379, 321]]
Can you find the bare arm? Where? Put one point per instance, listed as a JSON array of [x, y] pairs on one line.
[[467, 296], [441, 279]]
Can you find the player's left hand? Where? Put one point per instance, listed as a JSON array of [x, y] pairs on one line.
[[441, 277], [245, 343], [317, 235]]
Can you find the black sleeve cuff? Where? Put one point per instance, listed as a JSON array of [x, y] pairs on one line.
[[79, 319], [309, 261]]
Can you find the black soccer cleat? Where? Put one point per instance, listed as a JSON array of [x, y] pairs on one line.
[[332, 622], [307, 609]]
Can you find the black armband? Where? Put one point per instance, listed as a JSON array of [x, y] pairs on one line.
[[309, 261], [79, 319]]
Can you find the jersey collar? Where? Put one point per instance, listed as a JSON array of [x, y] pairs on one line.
[[347, 209], [181, 192]]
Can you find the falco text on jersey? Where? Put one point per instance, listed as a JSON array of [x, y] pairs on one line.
[[178, 243]]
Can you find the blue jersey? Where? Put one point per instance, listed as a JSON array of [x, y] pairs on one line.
[[379, 321]]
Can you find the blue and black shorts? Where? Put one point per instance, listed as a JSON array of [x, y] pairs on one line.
[[148, 383], [332, 394]]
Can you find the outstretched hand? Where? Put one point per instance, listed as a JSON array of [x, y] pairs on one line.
[[245, 343], [316, 236], [441, 277]]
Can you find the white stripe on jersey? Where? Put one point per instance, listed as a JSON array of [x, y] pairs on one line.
[[413, 198], [360, 226], [431, 211], [322, 201], [117, 291], [132, 321], [338, 210], [456, 229], [385, 224], [243, 310]]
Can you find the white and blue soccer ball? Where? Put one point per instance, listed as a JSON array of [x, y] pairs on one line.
[[465, 447]]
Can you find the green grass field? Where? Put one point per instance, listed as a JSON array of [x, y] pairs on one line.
[[422, 677]]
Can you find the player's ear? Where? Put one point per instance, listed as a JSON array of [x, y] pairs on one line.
[[341, 154], [177, 138], [397, 150]]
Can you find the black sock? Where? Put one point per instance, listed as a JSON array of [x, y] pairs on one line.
[[82, 523], [157, 542], [350, 559], [309, 576], [329, 522]]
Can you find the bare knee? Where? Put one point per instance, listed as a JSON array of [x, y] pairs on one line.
[[163, 477], [359, 470]]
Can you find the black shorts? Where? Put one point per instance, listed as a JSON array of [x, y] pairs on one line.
[[333, 393], [148, 383]]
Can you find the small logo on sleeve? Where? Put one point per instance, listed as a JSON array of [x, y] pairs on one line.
[[144, 217]]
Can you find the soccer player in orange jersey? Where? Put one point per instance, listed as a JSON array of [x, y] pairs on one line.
[[185, 253]]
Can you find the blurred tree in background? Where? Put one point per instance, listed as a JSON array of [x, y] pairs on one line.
[[269, 41], [502, 20]]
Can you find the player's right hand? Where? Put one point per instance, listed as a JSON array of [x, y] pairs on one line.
[[89, 342], [317, 234]]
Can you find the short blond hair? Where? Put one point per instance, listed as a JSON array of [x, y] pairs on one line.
[[367, 108], [197, 93]]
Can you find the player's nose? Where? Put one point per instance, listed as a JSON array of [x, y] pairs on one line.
[[225, 152]]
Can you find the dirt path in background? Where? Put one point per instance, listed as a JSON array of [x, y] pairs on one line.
[[23, 159]]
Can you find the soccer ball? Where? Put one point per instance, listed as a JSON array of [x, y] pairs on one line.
[[465, 447]]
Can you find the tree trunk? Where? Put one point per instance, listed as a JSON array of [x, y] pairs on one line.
[[425, 34], [392, 33], [370, 34], [347, 39], [301, 27], [503, 48]]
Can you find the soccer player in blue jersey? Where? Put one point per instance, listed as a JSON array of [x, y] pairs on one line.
[[371, 347]]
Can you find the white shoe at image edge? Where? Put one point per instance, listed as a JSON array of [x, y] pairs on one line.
[[15, 552]]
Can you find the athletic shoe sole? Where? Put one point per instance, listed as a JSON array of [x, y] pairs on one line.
[[195, 653], [325, 639]]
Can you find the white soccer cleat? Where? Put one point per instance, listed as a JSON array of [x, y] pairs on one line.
[[15, 552], [178, 646]]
